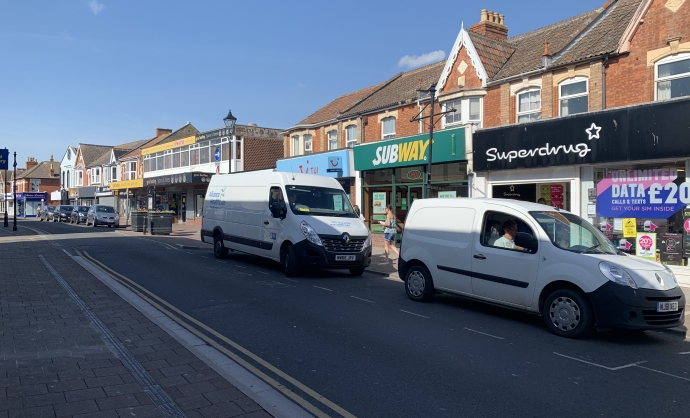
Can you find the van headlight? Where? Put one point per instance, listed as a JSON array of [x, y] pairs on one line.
[[310, 234], [670, 273], [367, 242], [617, 275]]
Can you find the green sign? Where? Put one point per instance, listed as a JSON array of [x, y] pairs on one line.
[[403, 203], [447, 195], [379, 217], [449, 145]]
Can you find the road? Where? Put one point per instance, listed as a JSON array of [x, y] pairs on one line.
[[359, 347]]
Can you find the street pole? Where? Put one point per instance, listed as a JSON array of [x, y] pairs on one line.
[[4, 199], [14, 192], [432, 91]]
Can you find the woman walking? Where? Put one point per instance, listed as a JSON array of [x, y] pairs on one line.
[[389, 232]]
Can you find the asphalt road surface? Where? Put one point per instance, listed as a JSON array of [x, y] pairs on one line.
[[359, 347]]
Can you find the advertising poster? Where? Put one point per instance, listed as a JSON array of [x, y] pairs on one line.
[[545, 193], [403, 203], [630, 228], [4, 159], [646, 245], [650, 193], [671, 248], [447, 195], [379, 202], [556, 194], [618, 225], [686, 233]]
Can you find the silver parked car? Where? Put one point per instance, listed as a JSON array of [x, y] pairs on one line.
[[102, 215]]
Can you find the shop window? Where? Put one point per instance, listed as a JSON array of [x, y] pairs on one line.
[[573, 96], [378, 177], [467, 110], [449, 172], [413, 174], [160, 163], [167, 159], [204, 150], [388, 128], [350, 136], [194, 154], [184, 157], [333, 139], [307, 144], [528, 105], [176, 158], [673, 77], [295, 145]]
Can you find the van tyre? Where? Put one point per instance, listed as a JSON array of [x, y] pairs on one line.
[[418, 283], [357, 271], [219, 250], [568, 313], [290, 266]]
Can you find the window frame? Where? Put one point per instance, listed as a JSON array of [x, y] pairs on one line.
[[131, 174], [389, 135], [573, 80], [349, 141], [308, 140], [332, 136], [529, 112], [482, 236], [295, 145], [462, 109], [683, 56]]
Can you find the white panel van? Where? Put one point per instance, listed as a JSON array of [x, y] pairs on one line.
[[535, 258], [298, 220]]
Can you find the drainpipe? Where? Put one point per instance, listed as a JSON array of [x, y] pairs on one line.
[[603, 82]]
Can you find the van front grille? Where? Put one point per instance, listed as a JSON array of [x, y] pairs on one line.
[[662, 318], [337, 245]]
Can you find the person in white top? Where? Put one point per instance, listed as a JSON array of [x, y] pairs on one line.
[[510, 229]]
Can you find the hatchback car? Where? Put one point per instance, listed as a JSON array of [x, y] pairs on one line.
[[62, 213], [47, 213], [102, 215], [78, 214]]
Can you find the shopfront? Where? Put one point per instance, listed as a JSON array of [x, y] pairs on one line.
[[182, 193], [623, 169], [28, 203], [336, 164], [392, 173], [130, 194], [105, 196], [86, 195]]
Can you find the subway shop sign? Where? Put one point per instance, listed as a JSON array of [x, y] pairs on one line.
[[449, 145]]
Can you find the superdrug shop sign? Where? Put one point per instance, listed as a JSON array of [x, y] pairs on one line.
[[651, 131]]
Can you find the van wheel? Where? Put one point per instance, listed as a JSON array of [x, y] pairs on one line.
[[568, 313], [418, 283], [219, 250], [290, 266], [357, 271]]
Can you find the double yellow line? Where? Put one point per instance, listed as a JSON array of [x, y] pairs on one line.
[[186, 321]]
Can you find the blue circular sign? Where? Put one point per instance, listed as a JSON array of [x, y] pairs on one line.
[[217, 154]]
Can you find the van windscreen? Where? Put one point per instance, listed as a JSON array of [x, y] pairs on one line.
[[319, 201], [572, 233]]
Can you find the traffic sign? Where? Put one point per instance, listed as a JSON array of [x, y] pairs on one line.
[[217, 154]]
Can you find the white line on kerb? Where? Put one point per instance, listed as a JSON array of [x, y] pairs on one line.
[[323, 288], [355, 297], [412, 313], [484, 333]]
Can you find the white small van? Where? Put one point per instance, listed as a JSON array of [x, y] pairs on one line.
[[298, 220], [535, 258]]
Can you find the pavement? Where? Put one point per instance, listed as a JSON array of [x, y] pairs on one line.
[[71, 346]]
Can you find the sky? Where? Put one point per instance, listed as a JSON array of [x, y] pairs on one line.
[[110, 72]]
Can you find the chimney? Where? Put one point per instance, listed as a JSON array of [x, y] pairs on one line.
[[491, 24], [546, 56], [52, 169], [163, 131], [31, 163]]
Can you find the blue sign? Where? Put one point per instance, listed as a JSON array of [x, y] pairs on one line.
[[651, 193], [334, 164], [4, 159], [217, 154]]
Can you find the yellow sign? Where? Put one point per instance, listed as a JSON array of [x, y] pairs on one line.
[[629, 227], [126, 184], [169, 145]]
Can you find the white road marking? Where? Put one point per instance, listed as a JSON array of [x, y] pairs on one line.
[[599, 365], [412, 313], [323, 288], [664, 373], [221, 262], [289, 280], [68, 254], [263, 272], [484, 333], [687, 352], [190, 253], [203, 256], [355, 297], [242, 267]]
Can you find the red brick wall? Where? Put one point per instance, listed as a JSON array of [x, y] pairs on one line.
[[628, 79], [471, 78], [492, 107]]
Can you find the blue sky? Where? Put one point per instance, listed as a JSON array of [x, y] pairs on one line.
[[110, 72]]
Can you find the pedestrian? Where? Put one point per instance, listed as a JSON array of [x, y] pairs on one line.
[[389, 231], [38, 212]]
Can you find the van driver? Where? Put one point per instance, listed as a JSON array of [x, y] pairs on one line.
[[292, 199], [510, 229]]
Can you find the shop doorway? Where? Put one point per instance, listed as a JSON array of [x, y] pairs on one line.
[[182, 208]]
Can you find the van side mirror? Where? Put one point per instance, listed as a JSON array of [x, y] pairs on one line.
[[526, 241], [278, 210]]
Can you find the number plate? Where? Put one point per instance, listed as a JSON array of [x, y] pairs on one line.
[[352, 258], [667, 306]]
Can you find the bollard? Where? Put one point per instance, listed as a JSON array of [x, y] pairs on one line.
[[7, 220]]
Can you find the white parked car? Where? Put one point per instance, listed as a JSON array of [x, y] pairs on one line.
[[535, 258], [298, 220]]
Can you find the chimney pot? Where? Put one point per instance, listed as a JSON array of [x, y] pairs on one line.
[[491, 24], [483, 16]]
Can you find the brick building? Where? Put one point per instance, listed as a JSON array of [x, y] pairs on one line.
[[520, 99], [36, 185]]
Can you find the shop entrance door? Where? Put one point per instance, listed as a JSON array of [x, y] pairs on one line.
[[404, 196], [182, 208]]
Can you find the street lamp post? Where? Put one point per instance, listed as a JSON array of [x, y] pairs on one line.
[[5, 221], [230, 124], [14, 192]]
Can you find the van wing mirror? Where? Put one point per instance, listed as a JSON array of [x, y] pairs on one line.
[[278, 210], [526, 241]]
